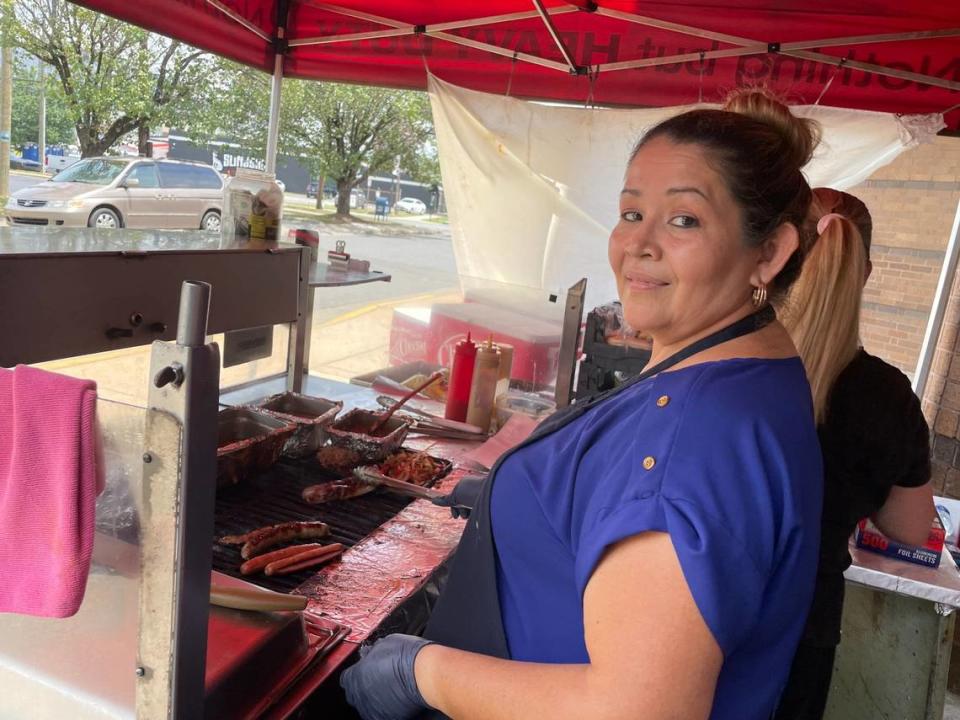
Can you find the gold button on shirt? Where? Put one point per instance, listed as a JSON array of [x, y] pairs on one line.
[[663, 400], [648, 462]]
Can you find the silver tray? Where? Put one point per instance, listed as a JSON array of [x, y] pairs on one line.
[[311, 416]]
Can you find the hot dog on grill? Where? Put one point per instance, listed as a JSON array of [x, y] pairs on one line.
[[310, 562], [261, 561], [256, 541], [304, 560]]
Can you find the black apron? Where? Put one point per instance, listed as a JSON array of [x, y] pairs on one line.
[[467, 615]]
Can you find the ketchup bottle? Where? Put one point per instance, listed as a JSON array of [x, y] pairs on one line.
[[461, 380]]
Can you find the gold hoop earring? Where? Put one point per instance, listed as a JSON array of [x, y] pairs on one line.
[[760, 295]]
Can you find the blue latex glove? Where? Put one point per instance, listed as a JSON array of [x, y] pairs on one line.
[[464, 496], [382, 686]]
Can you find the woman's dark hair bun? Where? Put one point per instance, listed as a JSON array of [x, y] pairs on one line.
[[800, 135]]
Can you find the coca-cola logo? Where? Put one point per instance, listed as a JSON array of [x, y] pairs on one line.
[[408, 346]]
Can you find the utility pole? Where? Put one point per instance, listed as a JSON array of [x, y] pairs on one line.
[[6, 99], [43, 119]]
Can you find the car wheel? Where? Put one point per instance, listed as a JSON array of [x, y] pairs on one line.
[[104, 218], [211, 221]]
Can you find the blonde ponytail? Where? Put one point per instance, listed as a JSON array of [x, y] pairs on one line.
[[822, 309]]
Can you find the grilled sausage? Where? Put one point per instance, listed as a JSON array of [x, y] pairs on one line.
[[258, 541], [311, 562], [293, 564], [247, 537], [261, 561]]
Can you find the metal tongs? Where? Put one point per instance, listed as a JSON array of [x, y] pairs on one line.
[[370, 475], [436, 425]]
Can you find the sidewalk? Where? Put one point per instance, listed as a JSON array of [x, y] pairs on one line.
[[325, 221]]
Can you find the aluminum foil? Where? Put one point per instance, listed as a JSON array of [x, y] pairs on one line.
[[249, 442], [377, 575], [310, 415], [371, 449], [939, 585]]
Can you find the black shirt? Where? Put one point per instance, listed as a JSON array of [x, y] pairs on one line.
[[874, 437]]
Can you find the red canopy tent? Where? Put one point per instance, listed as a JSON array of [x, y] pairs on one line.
[[882, 55]]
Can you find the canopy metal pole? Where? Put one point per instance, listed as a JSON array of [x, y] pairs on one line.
[[939, 309], [555, 35], [874, 68], [273, 129], [280, 48]]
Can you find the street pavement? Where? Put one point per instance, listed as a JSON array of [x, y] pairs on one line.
[[19, 181]]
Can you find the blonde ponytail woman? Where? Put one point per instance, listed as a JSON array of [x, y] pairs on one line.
[[873, 436]]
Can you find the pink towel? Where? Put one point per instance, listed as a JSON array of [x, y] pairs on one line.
[[48, 489]]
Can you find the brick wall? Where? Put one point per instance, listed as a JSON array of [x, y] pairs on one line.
[[913, 201]]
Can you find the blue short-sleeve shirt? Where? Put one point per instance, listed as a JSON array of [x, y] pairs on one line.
[[722, 456]]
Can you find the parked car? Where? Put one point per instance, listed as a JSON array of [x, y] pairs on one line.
[[411, 205], [21, 163], [109, 192], [57, 163], [311, 190]]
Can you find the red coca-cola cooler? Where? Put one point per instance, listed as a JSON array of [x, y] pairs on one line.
[[431, 334]]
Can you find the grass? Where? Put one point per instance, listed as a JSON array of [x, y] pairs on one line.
[[329, 216]]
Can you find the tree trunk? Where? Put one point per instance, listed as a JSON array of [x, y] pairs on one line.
[[344, 188], [144, 146], [94, 147], [320, 182]]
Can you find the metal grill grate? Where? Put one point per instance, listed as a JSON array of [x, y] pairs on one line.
[[274, 497]]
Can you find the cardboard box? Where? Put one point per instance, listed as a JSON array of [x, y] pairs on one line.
[[868, 537]]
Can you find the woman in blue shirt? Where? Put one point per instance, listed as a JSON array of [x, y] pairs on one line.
[[650, 554]]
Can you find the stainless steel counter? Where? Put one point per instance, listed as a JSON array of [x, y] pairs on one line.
[[898, 621], [45, 241]]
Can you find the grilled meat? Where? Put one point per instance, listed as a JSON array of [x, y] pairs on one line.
[[261, 561], [412, 467], [257, 541], [304, 560], [336, 490], [338, 460]]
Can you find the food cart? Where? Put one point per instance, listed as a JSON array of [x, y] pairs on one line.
[[161, 650], [167, 654]]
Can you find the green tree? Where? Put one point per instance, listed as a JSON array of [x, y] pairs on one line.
[[26, 108], [351, 131], [116, 78], [341, 132], [236, 105]]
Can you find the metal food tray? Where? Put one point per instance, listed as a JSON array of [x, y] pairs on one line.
[[248, 441], [311, 416], [370, 449], [397, 373]]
